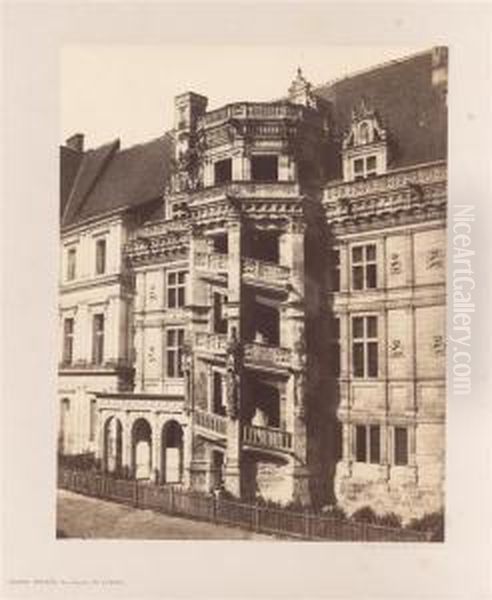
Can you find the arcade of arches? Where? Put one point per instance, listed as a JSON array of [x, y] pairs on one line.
[[142, 451]]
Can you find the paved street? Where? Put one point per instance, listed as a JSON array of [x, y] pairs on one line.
[[82, 517]]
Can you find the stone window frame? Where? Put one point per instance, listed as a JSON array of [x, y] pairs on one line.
[[371, 456], [366, 264], [71, 264], [396, 450], [177, 287], [370, 344], [174, 352], [68, 338], [100, 242]]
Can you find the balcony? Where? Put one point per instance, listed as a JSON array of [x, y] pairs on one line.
[[251, 110], [213, 262], [213, 343], [265, 272], [263, 355], [267, 438], [211, 422]]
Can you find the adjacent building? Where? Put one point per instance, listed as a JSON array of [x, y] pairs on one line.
[[257, 299]]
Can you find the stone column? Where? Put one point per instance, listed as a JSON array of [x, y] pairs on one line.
[[233, 450], [156, 474], [126, 443], [293, 330]]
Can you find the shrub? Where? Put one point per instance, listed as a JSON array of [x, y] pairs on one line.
[[389, 520], [80, 462], [432, 523], [365, 515]]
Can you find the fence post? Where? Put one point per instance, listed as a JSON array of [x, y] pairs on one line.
[[135, 494], [306, 524], [171, 496], [256, 515], [215, 502]]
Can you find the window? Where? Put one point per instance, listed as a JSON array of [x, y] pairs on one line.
[[71, 263], [364, 168], [223, 171], [401, 446], [218, 400], [335, 271], [334, 367], [364, 272], [176, 286], [92, 419], [264, 167], [220, 322], [368, 443], [68, 341], [98, 339], [174, 351], [100, 257], [365, 346]]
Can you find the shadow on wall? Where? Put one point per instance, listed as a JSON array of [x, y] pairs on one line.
[[324, 433]]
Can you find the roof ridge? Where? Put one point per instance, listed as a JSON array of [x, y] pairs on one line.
[[364, 70]]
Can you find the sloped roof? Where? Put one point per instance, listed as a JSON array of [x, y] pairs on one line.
[[110, 178], [69, 165], [411, 109]]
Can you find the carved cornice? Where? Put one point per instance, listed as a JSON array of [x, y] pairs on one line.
[[408, 197]]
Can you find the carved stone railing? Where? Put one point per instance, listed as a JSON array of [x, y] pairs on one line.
[[211, 342], [211, 261], [262, 354], [166, 245], [211, 421], [417, 176], [251, 110], [267, 437], [266, 271]]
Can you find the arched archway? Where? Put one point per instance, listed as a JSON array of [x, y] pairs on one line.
[[142, 449], [113, 444], [172, 452]]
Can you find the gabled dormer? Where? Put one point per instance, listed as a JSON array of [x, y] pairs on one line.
[[364, 149]]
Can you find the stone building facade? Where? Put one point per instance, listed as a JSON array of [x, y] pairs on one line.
[[269, 311]]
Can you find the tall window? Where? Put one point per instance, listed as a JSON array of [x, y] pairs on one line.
[[335, 271], [92, 419], [364, 272], [174, 351], [176, 289], [68, 341], [100, 257], [334, 367], [71, 263], [365, 346], [98, 339], [264, 167], [220, 321], [401, 446], [368, 443], [223, 171]]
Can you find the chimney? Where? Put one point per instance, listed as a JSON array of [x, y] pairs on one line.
[[75, 142]]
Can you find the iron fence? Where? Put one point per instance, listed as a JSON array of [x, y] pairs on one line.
[[262, 519]]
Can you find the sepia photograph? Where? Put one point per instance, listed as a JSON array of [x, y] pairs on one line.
[[252, 293], [246, 335]]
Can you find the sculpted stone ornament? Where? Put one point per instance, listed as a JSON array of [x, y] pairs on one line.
[[187, 365], [395, 264], [300, 354], [233, 366]]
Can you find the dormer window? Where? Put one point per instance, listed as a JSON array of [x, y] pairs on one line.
[[364, 146]]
